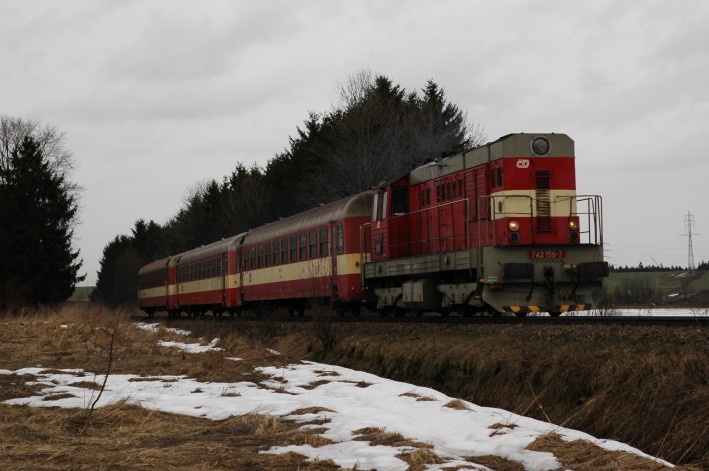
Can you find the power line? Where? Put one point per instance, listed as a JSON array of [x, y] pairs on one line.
[[689, 225]]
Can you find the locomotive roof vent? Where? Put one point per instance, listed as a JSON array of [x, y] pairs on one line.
[[540, 145]]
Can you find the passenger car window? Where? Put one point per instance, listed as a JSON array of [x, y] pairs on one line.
[[303, 246], [323, 242]]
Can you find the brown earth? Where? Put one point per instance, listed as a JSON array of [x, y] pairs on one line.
[[646, 386]]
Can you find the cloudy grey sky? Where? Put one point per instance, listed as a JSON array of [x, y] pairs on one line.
[[155, 96]]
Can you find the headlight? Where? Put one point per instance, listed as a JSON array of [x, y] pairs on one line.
[[573, 230], [540, 146], [514, 235]]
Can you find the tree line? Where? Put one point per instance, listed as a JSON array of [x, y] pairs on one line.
[[38, 211], [377, 131], [654, 268]]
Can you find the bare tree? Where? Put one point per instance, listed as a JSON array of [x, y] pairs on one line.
[[354, 89], [378, 130], [51, 143]]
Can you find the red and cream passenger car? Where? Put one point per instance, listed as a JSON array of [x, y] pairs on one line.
[[314, 255], [154, 280], [207, 278], [196, 281]]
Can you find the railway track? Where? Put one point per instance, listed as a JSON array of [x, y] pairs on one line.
[[699, 321]]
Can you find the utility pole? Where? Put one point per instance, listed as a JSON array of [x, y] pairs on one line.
[[689, 225]]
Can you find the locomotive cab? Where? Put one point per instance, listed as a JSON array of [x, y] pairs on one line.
[[389, 236]]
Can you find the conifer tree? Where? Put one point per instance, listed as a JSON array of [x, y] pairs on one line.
[[37, 212]]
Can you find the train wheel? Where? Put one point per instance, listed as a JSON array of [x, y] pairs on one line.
[[520, 314], [555, 313], [348, 310]]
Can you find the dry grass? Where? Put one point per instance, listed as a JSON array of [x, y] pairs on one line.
[[419, 458], [457, 404], [123, 436], [647, 386], [644, 386], [378, 436], [496, 462], [311, 410], [418, 397], [317, 383], [418, 454], [501, 429], [581, 455]]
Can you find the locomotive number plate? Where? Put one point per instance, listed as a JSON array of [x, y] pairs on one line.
[[546, 254]]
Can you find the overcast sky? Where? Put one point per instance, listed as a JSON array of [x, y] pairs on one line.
[[155, 96]]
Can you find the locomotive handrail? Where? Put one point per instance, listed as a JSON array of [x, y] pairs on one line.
[[430, 242], [494, 213], [417, 236], [505, 213], [587, 207], [593, 214], [363, 244]]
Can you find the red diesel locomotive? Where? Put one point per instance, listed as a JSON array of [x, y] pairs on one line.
[[496, 229]]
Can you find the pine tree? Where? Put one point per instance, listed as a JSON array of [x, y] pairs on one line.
[[379, 131], [37, 212], [117, 282]]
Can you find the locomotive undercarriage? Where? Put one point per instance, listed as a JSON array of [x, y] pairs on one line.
[[437, 282], [492, 280]]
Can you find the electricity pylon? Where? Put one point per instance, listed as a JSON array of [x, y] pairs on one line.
[[689, 225]]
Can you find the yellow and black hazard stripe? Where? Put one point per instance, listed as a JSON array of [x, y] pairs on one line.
[[531, 309]]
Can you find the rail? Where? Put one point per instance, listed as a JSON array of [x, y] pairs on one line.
[[640, 321]]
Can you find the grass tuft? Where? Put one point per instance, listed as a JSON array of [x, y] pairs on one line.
[[457, 404]]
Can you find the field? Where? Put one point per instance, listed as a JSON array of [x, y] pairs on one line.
[[647, 386], [673, 287], [82, 293]]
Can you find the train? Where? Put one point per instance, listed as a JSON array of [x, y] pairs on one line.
[[496, 229]]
